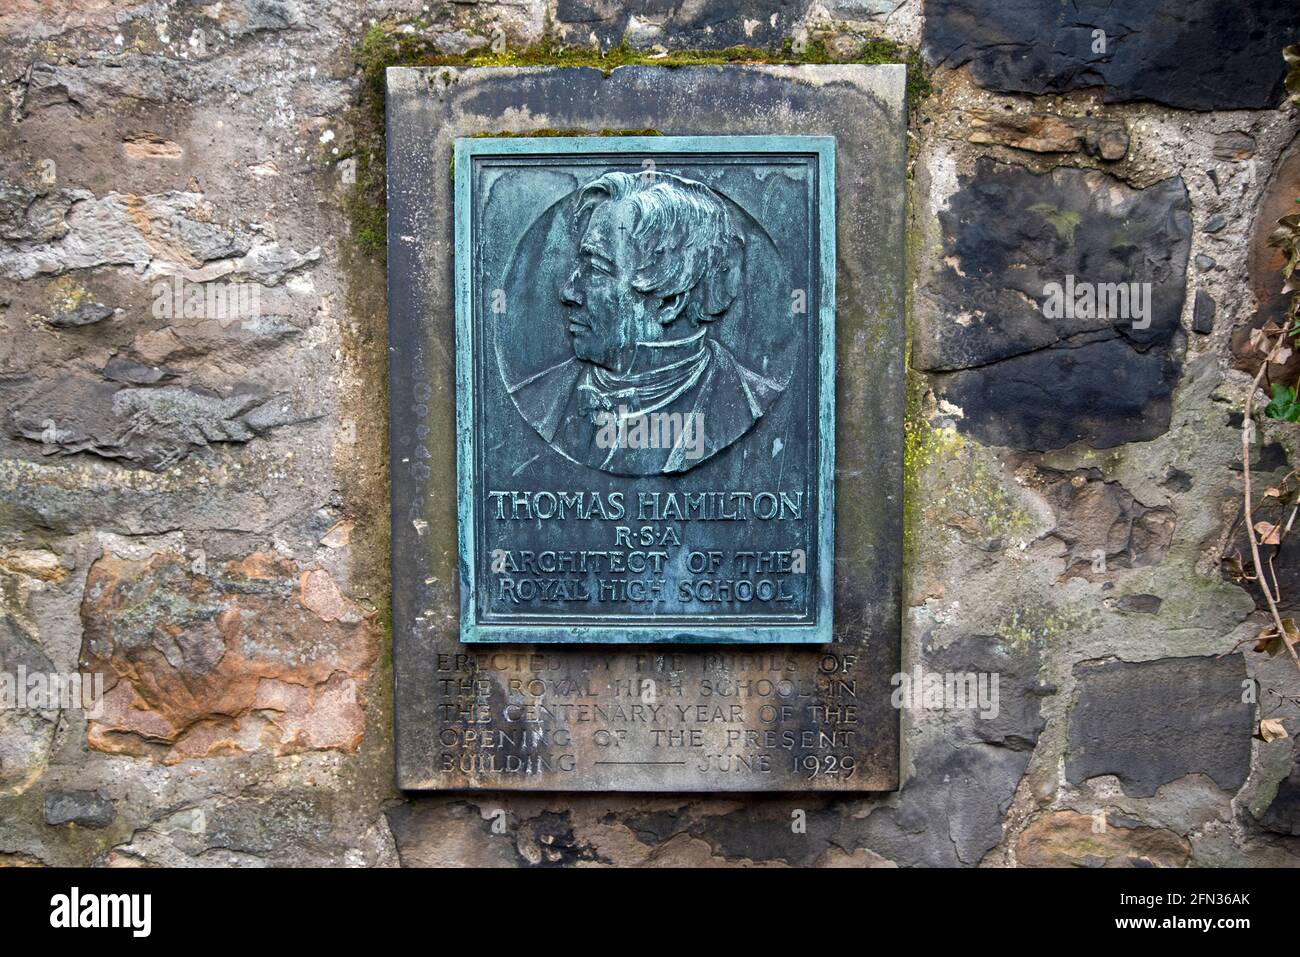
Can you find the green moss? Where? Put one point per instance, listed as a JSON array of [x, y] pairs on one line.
[[384, 45], [922, 446], [963, 488], [1036, 624], [1064, 221], [68, 294], [979, 494]]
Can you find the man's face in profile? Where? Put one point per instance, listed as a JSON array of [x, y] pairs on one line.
[[607, 316]]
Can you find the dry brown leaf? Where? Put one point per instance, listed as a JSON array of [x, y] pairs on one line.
[[1272, 492], [1268, 533], [1270, 641], [1272, 729]]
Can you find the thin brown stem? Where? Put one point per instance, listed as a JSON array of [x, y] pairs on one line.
[[1247, 428]]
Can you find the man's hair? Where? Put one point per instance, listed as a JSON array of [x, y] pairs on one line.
[[682, 238]]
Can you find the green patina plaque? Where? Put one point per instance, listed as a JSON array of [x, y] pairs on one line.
[[645, 388]]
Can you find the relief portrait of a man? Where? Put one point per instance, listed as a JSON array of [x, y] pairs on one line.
[[649, 389]]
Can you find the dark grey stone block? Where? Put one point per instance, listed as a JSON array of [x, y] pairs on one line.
[[1203, 310], [1195, 54], [1018, 721], [1152, 722], [1283, 814], [951, 809], [86, 314], [83, 808], [1033, 380], [1140, 604]]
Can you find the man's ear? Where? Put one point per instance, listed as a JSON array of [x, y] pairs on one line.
[[721, 283], [670, 307]]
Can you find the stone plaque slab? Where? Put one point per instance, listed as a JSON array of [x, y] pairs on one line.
[[645, 347], [741, 275]]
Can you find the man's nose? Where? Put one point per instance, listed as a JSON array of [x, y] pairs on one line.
[[569, 295]]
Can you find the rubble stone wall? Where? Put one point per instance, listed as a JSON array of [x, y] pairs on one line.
[[193, 487]]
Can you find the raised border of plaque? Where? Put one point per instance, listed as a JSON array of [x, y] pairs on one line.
[[647, 157]]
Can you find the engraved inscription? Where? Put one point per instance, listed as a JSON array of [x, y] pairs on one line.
[[644, 547], [704, 714]]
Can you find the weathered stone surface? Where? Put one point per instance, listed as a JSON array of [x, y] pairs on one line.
[[20, 860], [732, 838], [951, 809], [949, 815], [1018, 721], [1032, 382], [1269, 464], [26, 214], [452, 834], [1283, 813], [951, 812], [119, 229], [1140, 604], [34, 563], [127, 372], [34, 18], [863, 9], [262, 825], [713, 25], [1265, 264], [1051, 133], [1177, 480], [25, 735], [74, 90], [255, 656], [1069, 839], [74, 229], [152, 428], [1152, 722], [247, 106], [1265, 457], [1234, 146], [84, 314], [253, 16], [1097, 519], [83, 808], [1195, 54], [148, 146], [1284, 559]]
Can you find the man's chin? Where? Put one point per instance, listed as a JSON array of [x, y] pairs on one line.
[[583, 350], [586, 350]]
